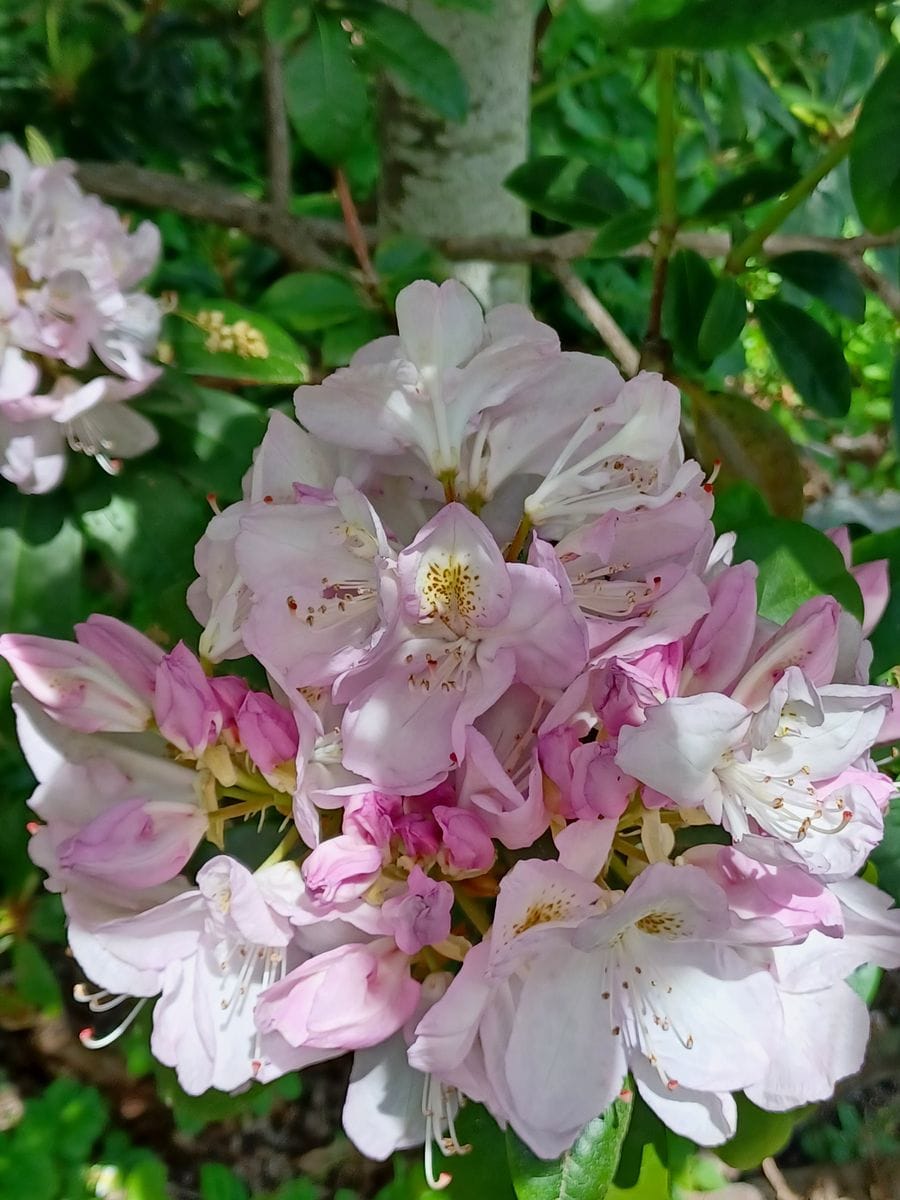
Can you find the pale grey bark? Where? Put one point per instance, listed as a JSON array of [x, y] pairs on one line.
[[441, 179]]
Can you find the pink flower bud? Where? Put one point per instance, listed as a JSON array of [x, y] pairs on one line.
[[75, 685], [132, 656], [230, 691], [809, 640], [341, 869], [421, 915], [371, 816], [136, 843], [186, 707], [345, 999], [267, 730], [467, 845]]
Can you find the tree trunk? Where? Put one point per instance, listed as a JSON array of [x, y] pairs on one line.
[[443, 179]]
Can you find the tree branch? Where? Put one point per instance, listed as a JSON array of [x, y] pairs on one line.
[[306, 242], [278, 134], [602, 320], [299, 240], [887, 292]]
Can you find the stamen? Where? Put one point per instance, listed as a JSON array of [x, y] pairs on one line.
[[86, 1036]]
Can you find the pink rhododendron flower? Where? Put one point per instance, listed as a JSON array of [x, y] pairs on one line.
[[76, 336], [545, 803]]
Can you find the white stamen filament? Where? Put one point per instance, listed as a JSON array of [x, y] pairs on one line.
[[86, 1037], [437, 1109]]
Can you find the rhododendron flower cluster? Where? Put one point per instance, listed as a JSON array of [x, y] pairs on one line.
[[75, 335], [544, 804]]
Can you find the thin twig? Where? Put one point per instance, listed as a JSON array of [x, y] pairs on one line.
[[602, 320], [667, 200], [278, 134], [795, 196], [355, 232], [874, 281]]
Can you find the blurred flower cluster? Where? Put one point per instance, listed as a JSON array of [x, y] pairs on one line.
[[74, 334], [544, 804]]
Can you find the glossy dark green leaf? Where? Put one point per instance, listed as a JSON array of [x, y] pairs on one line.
[[750, 445], [621, 232], [41, 553], [210, 434], [866, 981], [325, 92], [221, 340], [146, 527], [753, 187], [796, 562], [875, 153], [723, 320], [218, 1182], [419, 64], [689, 291], [311, 300], [585, 1172], [827, 278], [652, 1183], [810, 357], [886, 856], [759, 1134], [285, 19], [700, 24], [884, 545], [568, 190]]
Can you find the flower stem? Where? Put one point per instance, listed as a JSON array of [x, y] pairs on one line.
[[667, 199], [288, 842], [473, 910], [515, 547]]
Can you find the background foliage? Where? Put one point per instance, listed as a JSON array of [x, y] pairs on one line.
[[756, 142]]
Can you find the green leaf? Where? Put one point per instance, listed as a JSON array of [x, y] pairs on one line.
[[418, 63], [221, 340], [796, 562], [325, 93], [723, 320], [750, 445], [211, 434], [39, 149], [744, 191], [285, 19], [568, 190], [827, 278], [620, 232], [35, 980], [651, 1184], [341, 343], [884, 637], [875, 152], [886, 856], [147, 528], [585, 1172], [311, 300], [810, 357], [689, 291], [217, 1182], [866, 981], [41, 555], [699, 24], [147, 1181], [759, 1134]]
